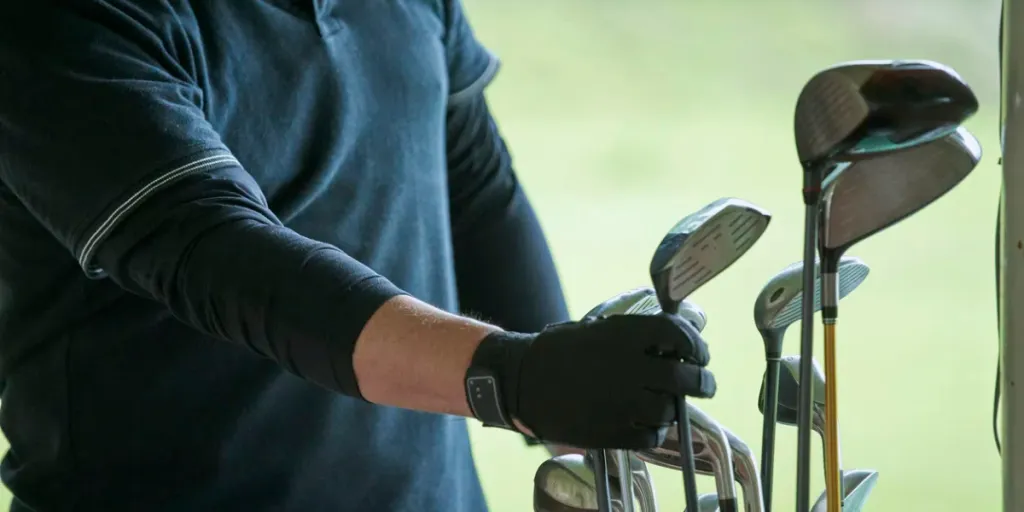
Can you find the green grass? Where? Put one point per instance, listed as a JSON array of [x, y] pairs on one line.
[[625, 115]]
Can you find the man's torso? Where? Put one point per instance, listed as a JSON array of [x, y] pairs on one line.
[[337, 109]]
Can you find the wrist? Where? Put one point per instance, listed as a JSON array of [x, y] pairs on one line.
[[492, 379]]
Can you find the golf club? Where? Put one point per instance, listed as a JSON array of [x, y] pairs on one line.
[[745, 465], [566, 484], [643, 485], [640, 301], [852, 111], [857, 485], [775, 309], [789, 393], [861, 199], [713, 457], [695, 250], [707, 503]]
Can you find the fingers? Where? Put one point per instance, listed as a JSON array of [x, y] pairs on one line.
[[683, 379], [654, 409], [678, 339]]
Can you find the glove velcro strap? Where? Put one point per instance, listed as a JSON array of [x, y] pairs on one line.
[[493, 378]]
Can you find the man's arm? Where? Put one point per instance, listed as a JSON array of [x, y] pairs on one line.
[[503, 264], [105, 142]]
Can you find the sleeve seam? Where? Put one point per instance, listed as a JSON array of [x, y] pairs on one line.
[[476, 86], [198, 162]]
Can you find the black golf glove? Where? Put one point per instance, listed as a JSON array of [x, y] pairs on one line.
[[607, 382]]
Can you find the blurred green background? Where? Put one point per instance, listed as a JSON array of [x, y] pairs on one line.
[[625, 115]]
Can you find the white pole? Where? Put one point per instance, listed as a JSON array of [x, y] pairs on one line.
[[1011, 256]]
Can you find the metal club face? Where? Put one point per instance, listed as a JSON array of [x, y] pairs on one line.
[[745, 463], [687, 310], [564, 483], [868, 196], [643, 485], [864, 108], [778, 305], [858, 484], [703, 244], [710, 433]]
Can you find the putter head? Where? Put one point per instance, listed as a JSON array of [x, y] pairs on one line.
[[859, 109], [864, 197], [702, 245], [858, 484], [779, 304], [642, 301], [566, 484]]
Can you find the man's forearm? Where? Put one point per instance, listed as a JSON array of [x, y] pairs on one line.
[[415, 356], [224, 264]]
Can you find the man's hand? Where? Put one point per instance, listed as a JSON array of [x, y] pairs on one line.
[[600, 383]]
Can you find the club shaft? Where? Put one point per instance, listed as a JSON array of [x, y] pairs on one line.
[[687, 465], [727, 505], [803, 444], [625, 480], [601, 484], [833, 480], [771, 414]]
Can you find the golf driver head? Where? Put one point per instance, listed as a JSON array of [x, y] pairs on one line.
[[642, 301], [858, 484], [745, 464], [566, 484], [860, 109], [702, 245], [864, 197], [778, 305]]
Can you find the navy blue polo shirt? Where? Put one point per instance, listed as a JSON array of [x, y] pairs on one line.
[[337, 111]]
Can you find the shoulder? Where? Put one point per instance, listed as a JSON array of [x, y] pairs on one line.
[[56, 29]]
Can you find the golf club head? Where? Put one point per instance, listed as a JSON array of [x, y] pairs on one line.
[[778, 305], [702, 245], [712, 453], [745, 464], [687, 310], [865, 197], [707, 503], [858, 484], [643, 485], [642, 301], [566, 484], [789, 393], [860, 109]]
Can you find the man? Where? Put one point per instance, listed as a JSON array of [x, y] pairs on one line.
[[256, 190]]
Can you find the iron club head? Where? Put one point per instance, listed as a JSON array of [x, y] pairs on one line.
[[745, 465], [642, 301], [566, 484]]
